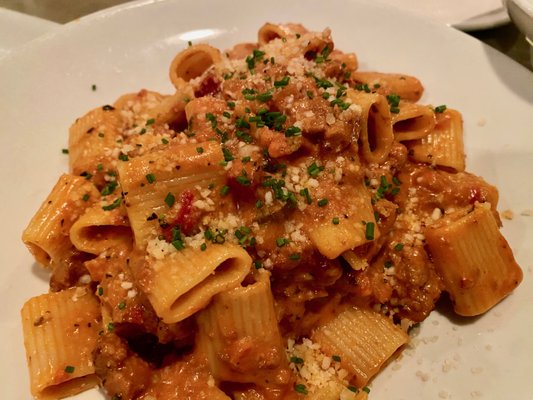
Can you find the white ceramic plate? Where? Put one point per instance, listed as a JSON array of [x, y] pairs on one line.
[[17, 28], [47, 84], [467, 15]]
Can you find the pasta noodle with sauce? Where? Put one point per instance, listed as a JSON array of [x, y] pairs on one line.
[[270, 230]]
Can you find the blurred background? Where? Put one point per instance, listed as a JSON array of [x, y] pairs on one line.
[[61, 11], [505, 37]]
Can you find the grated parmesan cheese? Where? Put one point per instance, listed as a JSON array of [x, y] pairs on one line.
[[317, 369], [159, 249]]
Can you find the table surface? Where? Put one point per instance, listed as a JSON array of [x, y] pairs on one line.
[[506, 39]]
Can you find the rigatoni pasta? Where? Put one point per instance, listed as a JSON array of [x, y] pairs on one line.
[[98, 230], [269, 230], [243, 316], [362, 339], [60, 331], [413, 121], [444, 145], [182, 283], [487, 272], [48, 234], [376, 132]]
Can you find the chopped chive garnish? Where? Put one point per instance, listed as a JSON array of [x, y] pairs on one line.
[[227, 154], [170, 199], [123, 157], [305, 194], [258, 264], [281, 241], [323, 83], [219, 237], [256, 56], [199, 150], [300, 388], [211, 117], [363, 87], [209, 235], [323, 56], [335, 221], [64, 151], [282, 82], [264, 97], [69, 369], [336, 358], [314, 170], [150, 178], [243, 179], [369, 231], [121, 305], [150, 121], [244, 136], [100, 291], [85, 197], [399, 246], [178, 244], [366, 389], [224, 190], [113, 205], [249, 94], [109, 188], [296, 360], [293, 131], [203, 247], [176, 233], [110, 327], [396, 181], [322, 202], [394, 102], [259, 204], [295, 256], [291, 199], [440, 109]]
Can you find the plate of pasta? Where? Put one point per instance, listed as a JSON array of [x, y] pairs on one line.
[[287, 205]]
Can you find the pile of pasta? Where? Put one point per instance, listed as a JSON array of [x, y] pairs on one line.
[[271, 230]]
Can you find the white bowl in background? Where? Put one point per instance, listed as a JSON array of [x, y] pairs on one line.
[[521, 13]]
